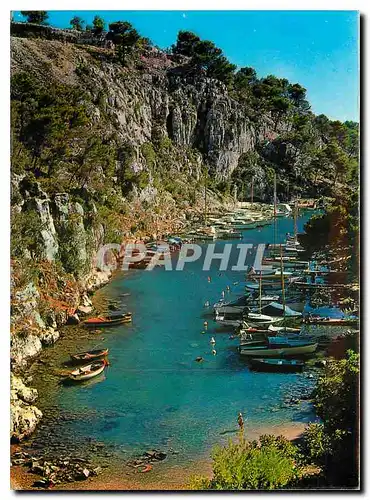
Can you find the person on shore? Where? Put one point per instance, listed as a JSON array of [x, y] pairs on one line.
[[241, 422]]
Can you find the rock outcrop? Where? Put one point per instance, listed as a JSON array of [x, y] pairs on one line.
[[24, 415]]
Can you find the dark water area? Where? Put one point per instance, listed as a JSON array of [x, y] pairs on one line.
[[154, 394]]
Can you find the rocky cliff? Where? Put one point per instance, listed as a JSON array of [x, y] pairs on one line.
[[157, 100]]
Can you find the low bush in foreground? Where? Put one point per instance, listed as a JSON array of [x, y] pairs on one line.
[[268, 464]]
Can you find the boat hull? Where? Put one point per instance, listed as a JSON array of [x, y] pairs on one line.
[[231, 310], [113, 322], [267, 352], [89, 356], [79, 375], [264, 366]]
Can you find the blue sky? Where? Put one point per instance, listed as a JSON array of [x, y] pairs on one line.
[[318, 49]]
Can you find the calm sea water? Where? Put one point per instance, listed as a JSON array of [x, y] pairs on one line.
[[154, 394]]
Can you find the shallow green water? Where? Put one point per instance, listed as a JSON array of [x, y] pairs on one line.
[[154, 394]]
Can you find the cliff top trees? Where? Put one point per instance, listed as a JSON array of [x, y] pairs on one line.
[[98, 25], [35, 16], [77, 23], [297, 94], [185, 44], [124, 37], [244, 78], [205, 56]]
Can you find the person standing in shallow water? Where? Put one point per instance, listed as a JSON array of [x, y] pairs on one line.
[[241, 422]]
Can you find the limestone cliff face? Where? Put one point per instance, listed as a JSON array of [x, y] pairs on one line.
[[193, 112]]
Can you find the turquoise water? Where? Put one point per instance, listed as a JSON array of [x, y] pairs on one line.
[[154, 394]]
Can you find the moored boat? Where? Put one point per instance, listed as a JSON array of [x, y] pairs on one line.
[[114, 319], [274, 328], [276, 309], [261, 319], [272, 275], [87, 372], [278, 347], [226, 322], [89, 355], [276, 365]]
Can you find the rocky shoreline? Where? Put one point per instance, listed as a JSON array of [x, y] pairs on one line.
[[24, 349], [149, 471]]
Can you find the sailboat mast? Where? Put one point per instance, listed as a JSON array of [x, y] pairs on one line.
[[282, 280], [205, 199], [275, 229], [295, 220], [260, 297]]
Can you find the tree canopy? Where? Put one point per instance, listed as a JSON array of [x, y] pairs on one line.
[[98, 25], [77, 23], [35, 16], [124, 36], [205, 56]]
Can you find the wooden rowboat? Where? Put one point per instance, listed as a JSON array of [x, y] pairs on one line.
[[115, 319], [89, 355], [277, 365], [87, 372]]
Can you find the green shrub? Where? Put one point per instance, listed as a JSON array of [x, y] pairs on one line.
[[250, 465], [316, 443]]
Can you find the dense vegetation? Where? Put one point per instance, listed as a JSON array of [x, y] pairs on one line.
[[334, 444], [267, 464]]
